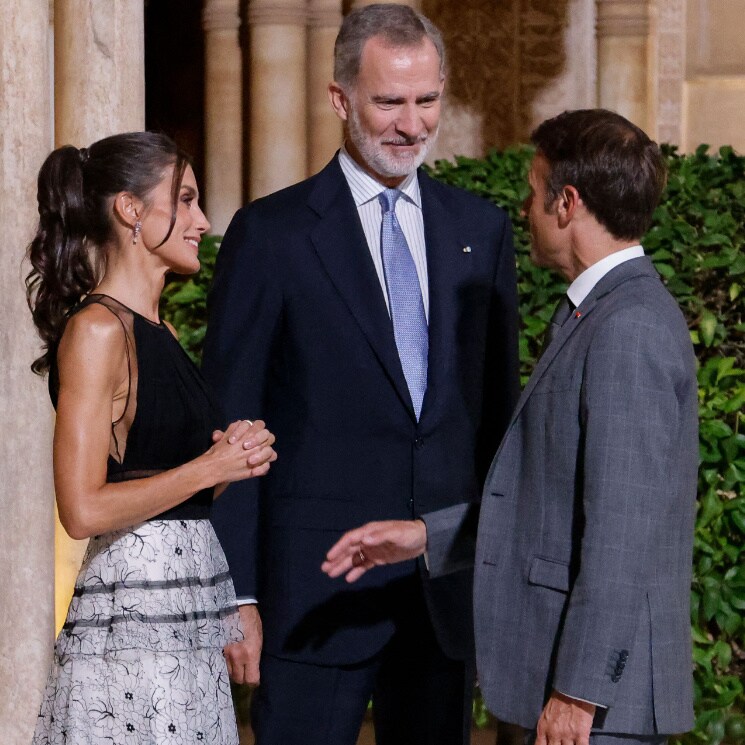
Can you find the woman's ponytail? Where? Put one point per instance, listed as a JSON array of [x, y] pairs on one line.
[[63, 269]]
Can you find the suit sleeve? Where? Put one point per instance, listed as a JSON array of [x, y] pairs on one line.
[[501, 386], [451, 538], [244, 312], [636, 387]]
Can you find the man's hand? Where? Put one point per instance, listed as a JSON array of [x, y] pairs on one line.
[[243, 657], [374, 544], [565, 721]]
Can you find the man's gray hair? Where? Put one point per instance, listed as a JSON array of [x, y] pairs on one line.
[[398, 25]]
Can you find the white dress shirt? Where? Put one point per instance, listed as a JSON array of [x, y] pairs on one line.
[[583, 285], [365, 191]]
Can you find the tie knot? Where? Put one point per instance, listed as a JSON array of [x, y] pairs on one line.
[[388, 199]]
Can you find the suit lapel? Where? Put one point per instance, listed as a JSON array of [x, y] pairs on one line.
[[610, 282], [340, 244], [445, 265]]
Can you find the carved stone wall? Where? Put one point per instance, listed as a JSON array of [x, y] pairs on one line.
[[512, 63]]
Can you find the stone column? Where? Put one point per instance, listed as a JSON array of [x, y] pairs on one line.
[[26, 525], [99, 90], [416, 4], [623, 58], [223, 112], [277, 110], [99, 69], [324, 127]]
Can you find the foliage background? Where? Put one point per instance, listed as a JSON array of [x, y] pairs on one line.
[[697, 243]]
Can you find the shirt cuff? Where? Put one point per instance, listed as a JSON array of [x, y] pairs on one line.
[[247, 600], [583, 700]]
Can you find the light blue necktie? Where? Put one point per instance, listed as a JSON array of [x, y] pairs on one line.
[[405, 300]]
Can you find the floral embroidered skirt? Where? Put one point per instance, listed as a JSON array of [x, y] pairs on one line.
[[139, 659]]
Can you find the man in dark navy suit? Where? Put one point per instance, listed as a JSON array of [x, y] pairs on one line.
[[369, 314]]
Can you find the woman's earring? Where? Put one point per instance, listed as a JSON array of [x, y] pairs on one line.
[[136, 231]]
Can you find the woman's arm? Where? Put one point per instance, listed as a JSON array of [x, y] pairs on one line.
[[93, 383]]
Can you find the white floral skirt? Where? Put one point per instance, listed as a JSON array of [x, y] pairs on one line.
[[139, 659]]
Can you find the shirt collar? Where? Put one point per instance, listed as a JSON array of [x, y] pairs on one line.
[[365, 188], [583, 285]]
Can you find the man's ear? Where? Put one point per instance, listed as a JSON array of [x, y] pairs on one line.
[[339, 101], [128, 208], [567, 203]]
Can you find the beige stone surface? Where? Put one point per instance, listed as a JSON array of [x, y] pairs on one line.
[[716, 42], [277, 109], [26, 527], [223, 113], [99, 69], [622, 77], [324, 127], [715, 111], [99, 90]]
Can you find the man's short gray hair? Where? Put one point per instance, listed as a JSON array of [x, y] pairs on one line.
[[398, 25]]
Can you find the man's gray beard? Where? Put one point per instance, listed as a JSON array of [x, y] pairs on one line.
[[376, 157]]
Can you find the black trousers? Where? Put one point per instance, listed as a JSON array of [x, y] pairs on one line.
[[420, 697]]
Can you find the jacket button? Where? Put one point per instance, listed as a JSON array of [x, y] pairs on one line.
[[419, 443]]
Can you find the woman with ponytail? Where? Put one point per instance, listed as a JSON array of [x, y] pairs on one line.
[[139, 452]]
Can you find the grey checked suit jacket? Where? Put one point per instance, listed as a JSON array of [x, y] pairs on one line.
[[583, 557]]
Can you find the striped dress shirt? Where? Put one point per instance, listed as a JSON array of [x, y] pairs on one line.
[[365, 191]]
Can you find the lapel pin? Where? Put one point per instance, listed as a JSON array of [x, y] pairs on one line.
[[466, 249], [577, 314]]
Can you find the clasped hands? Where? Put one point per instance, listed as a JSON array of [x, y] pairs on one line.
[[255, 440]]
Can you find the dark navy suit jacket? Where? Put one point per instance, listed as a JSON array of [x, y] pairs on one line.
[[299, 335]]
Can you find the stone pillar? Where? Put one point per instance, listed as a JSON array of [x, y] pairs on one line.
[[99, 90], [26, 525], [277, 110], [623, 58], [223, 112], [669, 35], [416, 4], [324, 127], [99, 69]]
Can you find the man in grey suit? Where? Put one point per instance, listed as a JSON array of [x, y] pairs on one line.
[[585, 528]]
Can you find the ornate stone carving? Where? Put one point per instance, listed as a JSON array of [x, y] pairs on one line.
[[670, 53], [504, 63]]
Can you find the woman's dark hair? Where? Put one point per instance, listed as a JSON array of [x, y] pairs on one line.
[[617, 170], [75, 189]]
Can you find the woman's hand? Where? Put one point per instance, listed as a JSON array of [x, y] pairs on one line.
[[244, 450]]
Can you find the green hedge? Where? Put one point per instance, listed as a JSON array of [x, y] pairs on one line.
[[697, 243]]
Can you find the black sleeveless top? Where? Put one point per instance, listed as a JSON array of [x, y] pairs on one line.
[[169, 415]]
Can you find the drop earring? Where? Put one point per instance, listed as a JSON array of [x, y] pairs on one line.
[[136, 231]]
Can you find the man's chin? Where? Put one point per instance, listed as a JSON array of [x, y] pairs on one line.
[[402, 163]]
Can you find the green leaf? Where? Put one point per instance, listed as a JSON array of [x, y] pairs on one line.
[[707, 326]]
